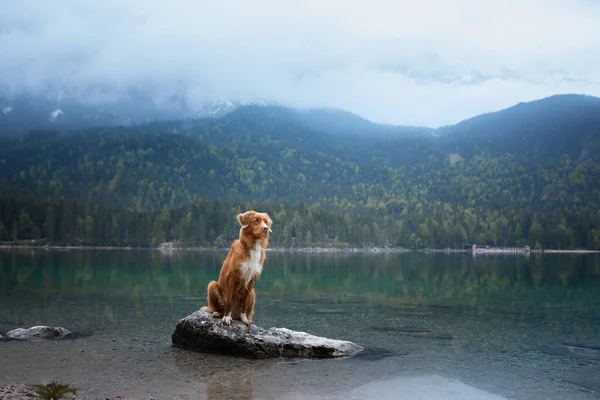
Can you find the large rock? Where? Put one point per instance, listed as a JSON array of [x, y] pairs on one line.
[[200, 331], [40, 332]]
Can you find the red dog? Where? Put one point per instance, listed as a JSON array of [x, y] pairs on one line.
[[233, 296]]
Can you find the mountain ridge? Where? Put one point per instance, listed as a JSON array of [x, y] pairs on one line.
[[570, 122], [553, 105], [22, 113]]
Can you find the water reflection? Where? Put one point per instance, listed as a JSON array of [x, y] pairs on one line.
[[221, 377], [540, 280]]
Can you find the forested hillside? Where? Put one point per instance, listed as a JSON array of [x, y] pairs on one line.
[[525, 175]]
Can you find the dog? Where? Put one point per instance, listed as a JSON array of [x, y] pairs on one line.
[[233, 295]]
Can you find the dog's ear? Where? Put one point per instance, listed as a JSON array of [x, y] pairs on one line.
[[244, 219], [269, 222]]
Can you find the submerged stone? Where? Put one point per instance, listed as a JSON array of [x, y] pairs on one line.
[[379, 353], [573, 351], [413, 331], [201, 332], [401, 329]]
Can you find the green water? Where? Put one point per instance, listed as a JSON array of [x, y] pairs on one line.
[[436, 325]]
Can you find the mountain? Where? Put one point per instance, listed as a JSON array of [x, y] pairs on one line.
[[474, 182], [550, 115], [340, 122], [563, 123], [25, 111]]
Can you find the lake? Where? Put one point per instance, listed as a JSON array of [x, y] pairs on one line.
[[436, 326]]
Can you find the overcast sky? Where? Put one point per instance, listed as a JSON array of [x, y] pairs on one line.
[[426, 62]]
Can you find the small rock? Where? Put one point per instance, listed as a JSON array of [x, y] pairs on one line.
[[200, 331], [40, 332]]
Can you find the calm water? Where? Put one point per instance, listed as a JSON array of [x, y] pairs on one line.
[[435, 326]]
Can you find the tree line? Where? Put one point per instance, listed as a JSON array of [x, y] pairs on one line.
[[212, 223]]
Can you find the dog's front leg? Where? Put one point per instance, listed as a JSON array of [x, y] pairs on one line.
[[227, 315], [248, 309], [229, 301]]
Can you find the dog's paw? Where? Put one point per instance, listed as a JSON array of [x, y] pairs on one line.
[[245, 320], [216, 314], [227, 320]]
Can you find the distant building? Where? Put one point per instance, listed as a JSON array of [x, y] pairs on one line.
[[485, 249]]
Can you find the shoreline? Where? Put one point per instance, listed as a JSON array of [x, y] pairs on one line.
[[169, 248]]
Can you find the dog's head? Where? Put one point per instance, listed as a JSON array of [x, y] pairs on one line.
[[255, 223]]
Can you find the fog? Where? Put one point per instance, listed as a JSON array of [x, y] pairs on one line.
[[414, 63]]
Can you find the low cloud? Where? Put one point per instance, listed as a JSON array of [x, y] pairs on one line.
[[429, 64]]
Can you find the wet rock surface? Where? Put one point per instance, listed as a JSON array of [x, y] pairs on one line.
[[201, 332]]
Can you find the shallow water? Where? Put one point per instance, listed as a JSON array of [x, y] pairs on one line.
[[435, 326]]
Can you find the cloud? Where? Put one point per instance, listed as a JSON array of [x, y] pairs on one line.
[[416, 63]]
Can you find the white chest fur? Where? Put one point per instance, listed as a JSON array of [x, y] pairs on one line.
[[252, 267]]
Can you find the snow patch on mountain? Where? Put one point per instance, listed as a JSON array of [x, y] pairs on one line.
[[55, 114], [220, 108], [215, 109]]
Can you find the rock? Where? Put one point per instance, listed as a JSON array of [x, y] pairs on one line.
[[17, 392], [201, 332], [40, 332]]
